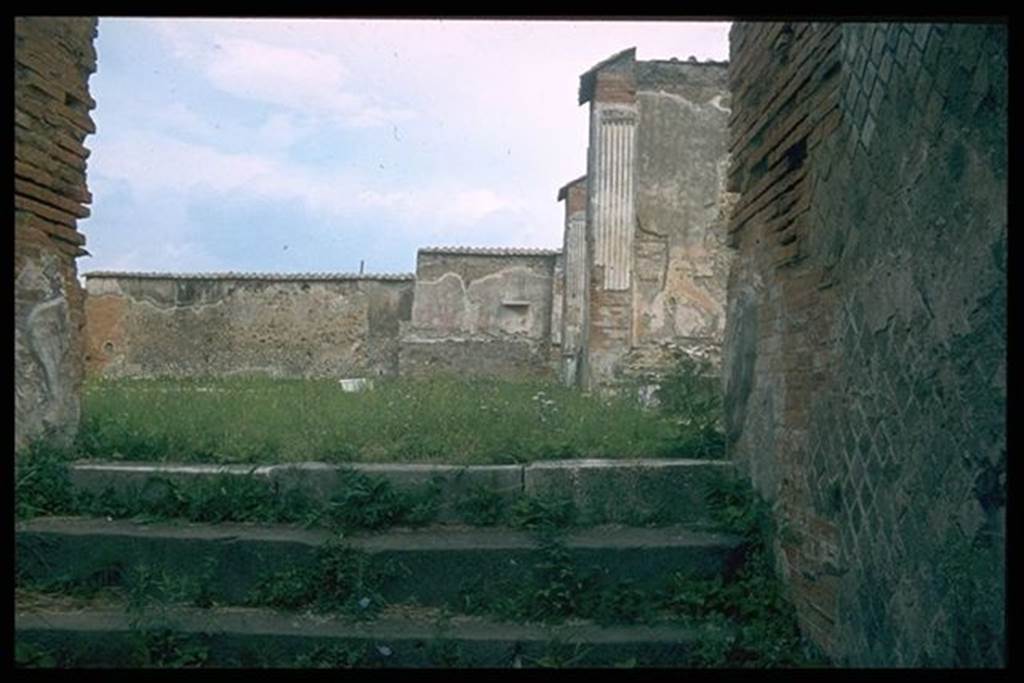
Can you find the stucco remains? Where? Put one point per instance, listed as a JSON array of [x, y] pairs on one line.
[[485, 311], [146, 325], [656, 259]]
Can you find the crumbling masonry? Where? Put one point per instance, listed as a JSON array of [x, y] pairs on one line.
[[652, 251], [641, 277], [866, 339], [865, 346], [53, 58]]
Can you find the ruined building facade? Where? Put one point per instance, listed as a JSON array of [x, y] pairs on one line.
[[865, 352], [645, 259], [483, 312], [641, 275], [53, 59]]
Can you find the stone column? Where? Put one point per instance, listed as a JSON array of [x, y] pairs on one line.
[[612, 192]]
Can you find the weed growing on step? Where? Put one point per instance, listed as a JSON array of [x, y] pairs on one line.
[[445, 653], [555, 589], [736, 508], [29, 655], [224, 498], [559, 654], [104, 579], [362, 502], [743, 620], [41, 483], [542, 513], [341, 580], [151, 593], [365, 502], [482, 506], [454, 420], [165, 649], [336, 656]]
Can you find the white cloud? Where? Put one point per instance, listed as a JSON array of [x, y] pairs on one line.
[[284, 76], [314, 82], [181, 118], [472, 206], [153, 164], [493, 124], [280, 131]]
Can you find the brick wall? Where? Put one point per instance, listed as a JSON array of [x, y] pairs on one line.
[[54, 58], [866, 335]]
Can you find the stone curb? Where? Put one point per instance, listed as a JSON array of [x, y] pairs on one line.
[[631, 491], [627, 491], [248, 637]]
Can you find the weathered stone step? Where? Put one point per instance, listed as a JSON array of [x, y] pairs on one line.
[[256, 637], [434, 564], [622, 491]]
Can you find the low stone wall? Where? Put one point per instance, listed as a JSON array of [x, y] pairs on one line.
[[54, 57], [146, 325], [865, 363]]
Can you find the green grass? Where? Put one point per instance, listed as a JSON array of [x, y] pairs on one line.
[[444, 419]]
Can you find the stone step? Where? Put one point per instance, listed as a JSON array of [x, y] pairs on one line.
[[620, 491], [433, 564], [247, 637]]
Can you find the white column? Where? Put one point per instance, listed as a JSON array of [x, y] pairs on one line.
[[613, 194]]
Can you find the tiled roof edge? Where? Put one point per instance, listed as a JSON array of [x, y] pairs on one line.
[[491, 251]]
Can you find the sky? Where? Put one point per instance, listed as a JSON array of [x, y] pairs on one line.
[[298, 146]]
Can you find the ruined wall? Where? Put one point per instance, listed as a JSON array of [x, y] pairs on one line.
[[145, 325], [657, 262], [481, 311], [557, 308], [574, 257], [680, 258], [866, 337], [53, 59]]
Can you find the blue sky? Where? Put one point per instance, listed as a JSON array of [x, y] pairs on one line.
[[309, 145]]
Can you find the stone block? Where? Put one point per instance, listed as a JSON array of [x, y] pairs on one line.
[[453, 482], [631, 491], [134, 477]]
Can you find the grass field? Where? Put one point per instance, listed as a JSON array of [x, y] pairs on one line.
[[451, 420]]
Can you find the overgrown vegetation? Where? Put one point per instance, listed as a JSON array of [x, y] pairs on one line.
[[690, 396], [362, 502], [43, 487], [341, 580], [365, 502], [745, 620], [443, 419], [338, 656], [41, 482]]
